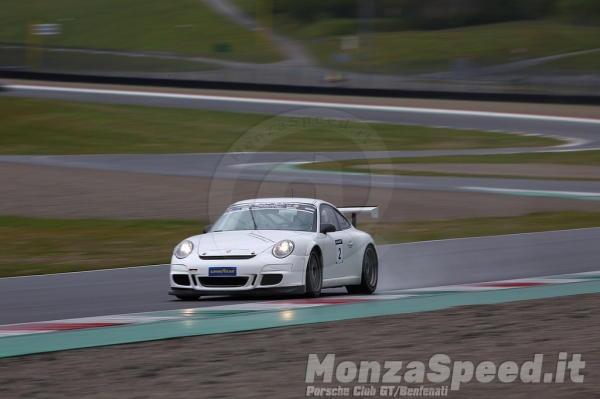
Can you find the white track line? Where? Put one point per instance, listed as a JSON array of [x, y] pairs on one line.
[[493, 236], [533, 192], [286, 305], [85, 271], [306, 103]]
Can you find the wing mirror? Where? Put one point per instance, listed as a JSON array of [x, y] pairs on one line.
[[327, 228], [207, 228]]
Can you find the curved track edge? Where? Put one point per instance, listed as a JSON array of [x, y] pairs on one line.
[[33, 338]]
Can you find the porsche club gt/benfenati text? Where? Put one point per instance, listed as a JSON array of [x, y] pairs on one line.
[[279, 246]]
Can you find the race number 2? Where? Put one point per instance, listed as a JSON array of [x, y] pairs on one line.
[[339, 251]]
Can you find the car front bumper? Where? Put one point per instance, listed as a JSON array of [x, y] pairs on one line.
[[190, 277], [191, 292]]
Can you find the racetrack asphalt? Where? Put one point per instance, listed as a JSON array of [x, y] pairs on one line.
[[413, 265], [275, 167], [425, 264], [582, 133], [549, 125]]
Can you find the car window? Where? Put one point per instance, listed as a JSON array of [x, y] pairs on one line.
[[267, 216], [328, 216], [344, 223]]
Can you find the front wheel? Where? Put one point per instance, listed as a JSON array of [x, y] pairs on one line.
[[369, 275], [314, 275], [188, 297]]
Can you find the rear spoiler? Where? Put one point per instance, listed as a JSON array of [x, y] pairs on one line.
[[360, 209]]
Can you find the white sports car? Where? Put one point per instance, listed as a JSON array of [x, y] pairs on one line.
[[277, 245]]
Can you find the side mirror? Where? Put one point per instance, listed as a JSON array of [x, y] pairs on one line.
[[207, 228], [327, 228]]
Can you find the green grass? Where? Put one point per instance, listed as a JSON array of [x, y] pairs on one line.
[[39, 246], [60, 61], [335, 167], [474, 175], [391, 233], [420, 52], [590, 158], [47, 127], [581, 63], [176, 26]]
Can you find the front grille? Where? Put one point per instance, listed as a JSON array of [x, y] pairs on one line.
[[181, 279], [227, 257], [271, 279], [223, 281]]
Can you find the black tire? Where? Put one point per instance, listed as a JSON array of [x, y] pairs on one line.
[[314, 275], [188, 297], [369, 275]]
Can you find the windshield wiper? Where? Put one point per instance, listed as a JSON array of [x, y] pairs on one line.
[[253, 221]]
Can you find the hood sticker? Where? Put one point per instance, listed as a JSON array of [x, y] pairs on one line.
[[259, 237], [228, 250]]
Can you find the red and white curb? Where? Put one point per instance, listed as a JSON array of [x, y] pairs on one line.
[[78, 324], [290, 304], [282, 305], [496, 285]]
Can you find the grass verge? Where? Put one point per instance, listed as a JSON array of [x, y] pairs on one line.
[[63, 61], [423, 52], [588, 158], [40, 246], [483, 45], [176, 26], [392, 233], [591, 158], [47, 127], [577, 64], [473, 175]]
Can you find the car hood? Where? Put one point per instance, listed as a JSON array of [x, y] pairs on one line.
[[247, 242]]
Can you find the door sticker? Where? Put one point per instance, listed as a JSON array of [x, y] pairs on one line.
[[339, 251]]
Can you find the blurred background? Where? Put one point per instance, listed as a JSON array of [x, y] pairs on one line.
[[537, 46], [101, 170], [547, 172]]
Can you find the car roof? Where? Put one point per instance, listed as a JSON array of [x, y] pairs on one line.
[[282, 199]]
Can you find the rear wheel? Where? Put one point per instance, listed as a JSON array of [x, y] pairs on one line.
[[314, 275], [188, 297], [369, 275]]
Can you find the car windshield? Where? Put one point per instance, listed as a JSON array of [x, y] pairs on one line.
[[268, 216]]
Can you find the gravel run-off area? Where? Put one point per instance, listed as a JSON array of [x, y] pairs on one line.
[[272, 363], [42, 191]]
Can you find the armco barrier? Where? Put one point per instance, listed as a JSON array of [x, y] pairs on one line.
[[331, 90]]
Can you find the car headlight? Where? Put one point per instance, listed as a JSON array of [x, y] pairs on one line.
[[283, 248], [184, 249]]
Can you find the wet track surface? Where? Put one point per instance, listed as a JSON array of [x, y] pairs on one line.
[[583, 134], [224, 166], [415, 265], [578, 128]]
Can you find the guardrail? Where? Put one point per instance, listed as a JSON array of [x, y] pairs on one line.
[[327, 88]]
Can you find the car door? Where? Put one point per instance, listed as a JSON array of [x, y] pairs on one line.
[[333, 245], [352, 248]]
